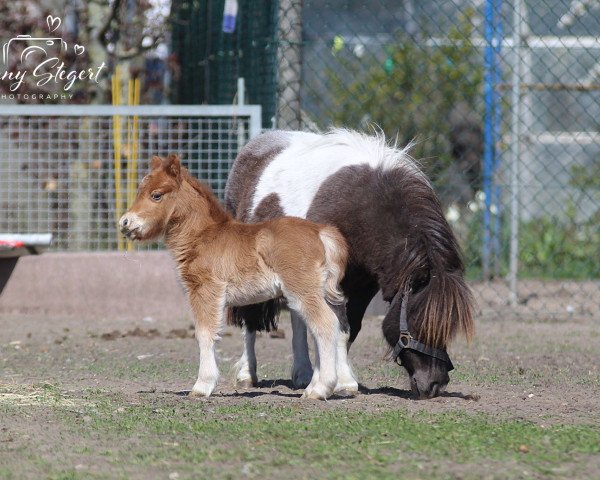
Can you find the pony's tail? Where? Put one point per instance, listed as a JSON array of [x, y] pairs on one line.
[[336, 258], [445, 303], [257, 317]]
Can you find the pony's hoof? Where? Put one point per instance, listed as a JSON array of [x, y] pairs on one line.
[[301, 377], [245, 383]]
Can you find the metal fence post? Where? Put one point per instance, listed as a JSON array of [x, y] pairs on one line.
[[491, 226], [289, 61], [515, 149]]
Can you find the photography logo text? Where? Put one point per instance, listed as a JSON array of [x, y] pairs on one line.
[[39, 61]]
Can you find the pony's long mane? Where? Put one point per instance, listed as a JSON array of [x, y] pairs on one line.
[[441, 304]]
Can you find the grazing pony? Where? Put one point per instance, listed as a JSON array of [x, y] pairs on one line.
[[399, 243], [223, 263]]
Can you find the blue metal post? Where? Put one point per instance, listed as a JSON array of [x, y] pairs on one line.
[[496, 199], [488, 131]]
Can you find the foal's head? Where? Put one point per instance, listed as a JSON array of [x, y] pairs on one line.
[[156, 201]]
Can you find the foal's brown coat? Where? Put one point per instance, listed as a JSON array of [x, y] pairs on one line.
[[223, 262]]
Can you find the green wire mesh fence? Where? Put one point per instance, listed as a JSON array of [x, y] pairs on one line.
[[503, 98]]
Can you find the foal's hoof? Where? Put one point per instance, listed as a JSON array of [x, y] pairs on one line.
[[316, 393], [198, 394], [346, 389], [245, 383], [202, 390]]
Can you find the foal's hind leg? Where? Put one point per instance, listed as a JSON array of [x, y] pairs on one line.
[[325, 328], [346, 380]]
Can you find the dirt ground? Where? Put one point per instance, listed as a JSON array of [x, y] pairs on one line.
[[544, 371]]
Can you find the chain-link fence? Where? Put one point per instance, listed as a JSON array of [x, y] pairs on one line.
[[502, 96], [72, 170]]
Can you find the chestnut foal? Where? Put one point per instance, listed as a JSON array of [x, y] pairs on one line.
[[226, 263]]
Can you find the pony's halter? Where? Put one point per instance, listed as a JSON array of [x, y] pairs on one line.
[[407, 341]]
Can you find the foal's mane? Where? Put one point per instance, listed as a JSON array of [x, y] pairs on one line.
[[216, 210]]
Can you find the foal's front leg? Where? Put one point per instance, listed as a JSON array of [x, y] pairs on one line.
[[207, 306]]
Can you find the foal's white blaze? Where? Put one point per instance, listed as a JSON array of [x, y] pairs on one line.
[[296, 174]]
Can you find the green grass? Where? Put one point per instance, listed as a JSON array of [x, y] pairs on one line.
[[155, 368], [189, 437]]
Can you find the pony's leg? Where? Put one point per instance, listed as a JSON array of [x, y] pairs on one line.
[[325, 328], [207, 305], [246, 366], [302, 371]]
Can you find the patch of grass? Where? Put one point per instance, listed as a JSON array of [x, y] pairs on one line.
[[361, 444], [260, 439], [148, 369], [42, 394]]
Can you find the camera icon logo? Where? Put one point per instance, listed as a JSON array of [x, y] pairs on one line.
[[27, 45]]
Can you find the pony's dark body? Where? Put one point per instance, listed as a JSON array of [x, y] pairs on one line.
[[396, 233]]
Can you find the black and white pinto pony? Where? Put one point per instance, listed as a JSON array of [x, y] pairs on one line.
[[399, 243]]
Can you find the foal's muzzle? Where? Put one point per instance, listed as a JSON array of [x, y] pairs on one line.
[[129, 226]]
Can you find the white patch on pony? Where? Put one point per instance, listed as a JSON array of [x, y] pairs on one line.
[[296, 174]]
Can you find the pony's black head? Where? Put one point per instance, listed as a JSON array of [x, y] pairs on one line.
[[428, 374], [418, 336]]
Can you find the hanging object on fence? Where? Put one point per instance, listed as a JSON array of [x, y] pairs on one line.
[[338, 44], [230, 15], [388, 65]]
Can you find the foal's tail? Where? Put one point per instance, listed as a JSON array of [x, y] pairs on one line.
[[336, 258]]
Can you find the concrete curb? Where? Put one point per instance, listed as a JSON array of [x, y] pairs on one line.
[[129, 285], [92, 285]]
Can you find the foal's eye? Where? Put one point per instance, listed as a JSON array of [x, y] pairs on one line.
[[156, 196]]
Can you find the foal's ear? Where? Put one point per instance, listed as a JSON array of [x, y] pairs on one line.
[[155, 163], [173, 165]]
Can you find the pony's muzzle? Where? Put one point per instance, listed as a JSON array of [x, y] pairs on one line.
[[427, 390]]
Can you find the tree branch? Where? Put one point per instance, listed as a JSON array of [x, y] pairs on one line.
[[139, 49], [114, 11]]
